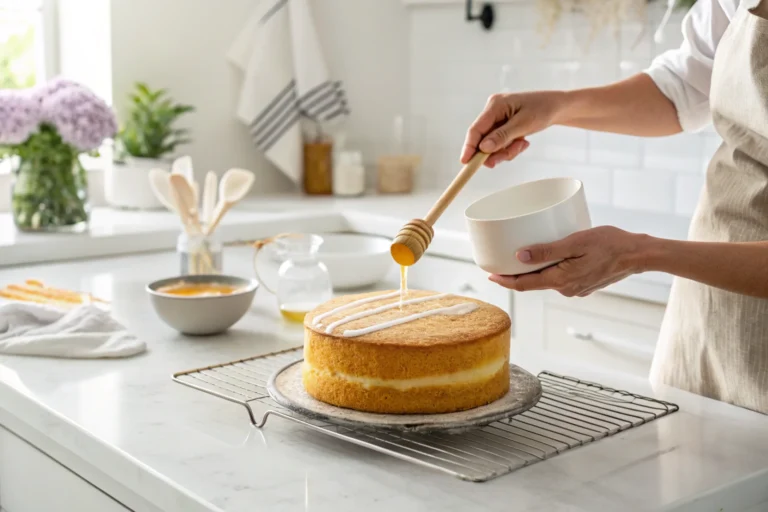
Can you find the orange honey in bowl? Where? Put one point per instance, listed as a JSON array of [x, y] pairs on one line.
[[184, 289]]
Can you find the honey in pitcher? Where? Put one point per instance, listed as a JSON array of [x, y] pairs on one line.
[[295, 312]]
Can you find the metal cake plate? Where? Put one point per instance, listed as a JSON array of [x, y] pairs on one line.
[[286, 388]]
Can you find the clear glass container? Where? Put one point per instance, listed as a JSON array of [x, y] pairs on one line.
[[50, 193], [199, 254], [303, 281]]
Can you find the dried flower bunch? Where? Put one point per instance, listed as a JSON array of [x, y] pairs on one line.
[[600, 14]]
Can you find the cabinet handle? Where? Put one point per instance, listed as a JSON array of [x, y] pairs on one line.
[[611, 341]]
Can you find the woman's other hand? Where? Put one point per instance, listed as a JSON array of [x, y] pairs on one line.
[[591, 260]]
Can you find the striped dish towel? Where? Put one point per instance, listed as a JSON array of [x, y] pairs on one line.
[[285, 81]]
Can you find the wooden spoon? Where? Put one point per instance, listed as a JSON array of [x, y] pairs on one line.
[[413, 239], [160, 182], [209, 196], [184, 197], [234, 185]]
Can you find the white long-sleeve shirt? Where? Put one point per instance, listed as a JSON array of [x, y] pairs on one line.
[[684, 75]]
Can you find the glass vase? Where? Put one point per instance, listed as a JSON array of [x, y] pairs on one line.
[[50, 193]]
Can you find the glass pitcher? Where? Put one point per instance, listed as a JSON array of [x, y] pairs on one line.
[[303, 281]]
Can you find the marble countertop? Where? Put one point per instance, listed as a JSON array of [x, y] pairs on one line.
[[115, 232], [158, 446]]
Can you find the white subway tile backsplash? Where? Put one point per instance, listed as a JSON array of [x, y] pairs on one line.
[[679, 153], [614, 149], [688, 189], [560, 144], [456, 65], [515, 16], [644, 190], [593, 74], [598, 181], [636, 42], [671, 35]]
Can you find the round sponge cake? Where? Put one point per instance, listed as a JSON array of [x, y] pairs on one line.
[[435, 364]]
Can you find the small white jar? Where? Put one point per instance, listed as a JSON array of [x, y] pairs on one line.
[[349, 174]]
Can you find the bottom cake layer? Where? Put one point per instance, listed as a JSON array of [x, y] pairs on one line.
[[365, 395]]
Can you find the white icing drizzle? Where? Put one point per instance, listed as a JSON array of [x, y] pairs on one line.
[[360, 302], [458, 309], [381, 309]]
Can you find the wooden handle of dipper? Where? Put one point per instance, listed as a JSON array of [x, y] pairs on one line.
[[413, 239], [455, 187]]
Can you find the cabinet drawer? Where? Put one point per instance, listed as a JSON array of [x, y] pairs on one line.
[[23, 467], [459, 277], [612, 306], [597, 340]]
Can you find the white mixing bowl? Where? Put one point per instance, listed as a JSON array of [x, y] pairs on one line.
[[355, 261], [536, 212]]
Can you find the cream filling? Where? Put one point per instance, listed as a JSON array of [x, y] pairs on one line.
[[477, 374]]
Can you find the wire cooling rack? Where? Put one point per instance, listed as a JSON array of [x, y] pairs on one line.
[[570, 413]]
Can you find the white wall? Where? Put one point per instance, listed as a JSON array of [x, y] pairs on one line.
[[181, 45], [455, 66]]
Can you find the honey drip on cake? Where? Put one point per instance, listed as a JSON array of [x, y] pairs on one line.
[[403, 284]]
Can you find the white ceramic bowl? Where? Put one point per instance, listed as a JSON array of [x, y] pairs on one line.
[[536, 212], [203, 315], [355, 261]]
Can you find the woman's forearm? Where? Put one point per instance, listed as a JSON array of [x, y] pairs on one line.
[[737, 267], [634, 106]]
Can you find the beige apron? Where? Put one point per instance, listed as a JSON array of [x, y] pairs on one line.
[[713, 342]]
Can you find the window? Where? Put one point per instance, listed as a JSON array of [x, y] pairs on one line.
[[25, 36]]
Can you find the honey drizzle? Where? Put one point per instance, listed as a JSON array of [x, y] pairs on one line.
[[403, 284]]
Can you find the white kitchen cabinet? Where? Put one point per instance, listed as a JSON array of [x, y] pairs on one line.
[[30, 481], [602, 329]]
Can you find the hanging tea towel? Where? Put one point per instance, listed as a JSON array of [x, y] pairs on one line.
[[285, 80]]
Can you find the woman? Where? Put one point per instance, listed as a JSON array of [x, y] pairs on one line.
[[714, 338]]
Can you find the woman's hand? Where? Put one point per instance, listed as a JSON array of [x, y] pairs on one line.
[[634, 106], [591, 260], [507, 119]]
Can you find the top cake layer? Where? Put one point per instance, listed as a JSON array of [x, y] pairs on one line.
[[484, 321]]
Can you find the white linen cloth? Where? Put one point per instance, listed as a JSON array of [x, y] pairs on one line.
[[285, 80], [684, 75], [85, 332]]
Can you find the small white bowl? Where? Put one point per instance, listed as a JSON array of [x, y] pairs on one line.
[[536, 212], [355, 261], [203, 315]]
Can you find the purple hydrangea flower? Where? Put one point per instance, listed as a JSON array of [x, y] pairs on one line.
[[82, 119], [53, 86], [20, 116]]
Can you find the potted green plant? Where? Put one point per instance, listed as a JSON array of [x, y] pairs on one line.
[[147, 140]]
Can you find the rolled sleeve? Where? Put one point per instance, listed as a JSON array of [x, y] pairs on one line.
[[684, 75]]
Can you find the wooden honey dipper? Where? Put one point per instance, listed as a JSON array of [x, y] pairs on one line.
[[412, 240]]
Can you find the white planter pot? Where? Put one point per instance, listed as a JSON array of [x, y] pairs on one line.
[[126, 185]]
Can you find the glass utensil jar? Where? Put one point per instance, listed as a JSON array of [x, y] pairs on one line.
[[199, 254], [303, 281]]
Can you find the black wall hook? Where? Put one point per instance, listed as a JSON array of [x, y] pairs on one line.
[[486, 16]]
